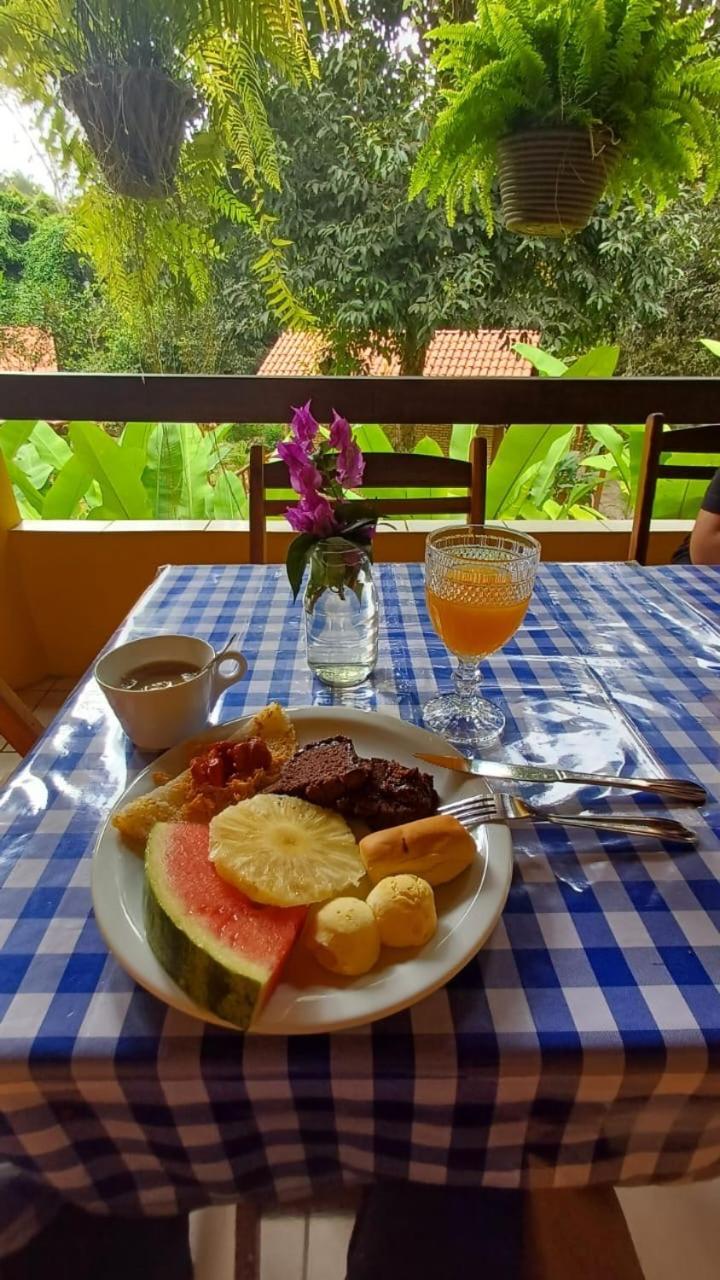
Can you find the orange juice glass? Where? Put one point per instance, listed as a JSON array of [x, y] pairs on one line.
[[478, 584]]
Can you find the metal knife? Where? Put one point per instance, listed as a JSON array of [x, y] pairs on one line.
[[681, 789]]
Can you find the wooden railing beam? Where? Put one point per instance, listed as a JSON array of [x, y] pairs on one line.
[[189, 398]]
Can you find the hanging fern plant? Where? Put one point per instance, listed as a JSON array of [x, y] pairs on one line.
[[169, 95], [558, 99], [135, 73]]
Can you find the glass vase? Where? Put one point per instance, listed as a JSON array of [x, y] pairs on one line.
[[341, 615]]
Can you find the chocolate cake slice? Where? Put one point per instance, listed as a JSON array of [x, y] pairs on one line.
[[391, 795], [324, 773]]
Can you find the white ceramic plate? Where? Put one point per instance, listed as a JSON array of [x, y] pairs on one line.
[[308, 999]]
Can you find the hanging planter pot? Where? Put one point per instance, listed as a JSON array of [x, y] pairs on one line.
[[134, 120], [552, 179]]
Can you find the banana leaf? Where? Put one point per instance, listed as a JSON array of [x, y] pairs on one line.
[[522, 446], [162, 475], [542, 488], [28, 460], [428, 448], [176, 473], [681, 499], [372, 439], [519, 494], [617, 446], [547, 365], [29, 499], [599, 362], [13, 433], [674, 499], [635, 433], [116, 470], [70, 486], [460, 440], [229, 499], [599, 462], [528, 511], [579, 511], [137, 435], [51, 448]]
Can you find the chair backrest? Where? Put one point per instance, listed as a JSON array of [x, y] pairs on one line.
[[18, 725], [702, 439], [382, 471]]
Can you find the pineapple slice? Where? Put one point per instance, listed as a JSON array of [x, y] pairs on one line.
[[284, 851]]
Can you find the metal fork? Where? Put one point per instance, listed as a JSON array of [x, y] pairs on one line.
[[500, 807]]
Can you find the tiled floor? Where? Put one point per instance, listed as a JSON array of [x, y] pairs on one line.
[[44, 698], [293, 1246], [676, 1230]]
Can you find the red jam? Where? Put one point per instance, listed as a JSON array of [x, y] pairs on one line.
[[224, 761]]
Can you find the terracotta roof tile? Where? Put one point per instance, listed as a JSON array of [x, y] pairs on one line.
[[23, 349], [453, 353]]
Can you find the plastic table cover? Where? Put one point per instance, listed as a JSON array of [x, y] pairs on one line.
[[581, 1045]]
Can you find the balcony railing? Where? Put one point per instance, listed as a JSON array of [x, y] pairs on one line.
[[65, 585], [486, 401]]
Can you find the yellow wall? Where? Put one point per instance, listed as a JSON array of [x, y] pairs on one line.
[[22, 655], [66, 586]]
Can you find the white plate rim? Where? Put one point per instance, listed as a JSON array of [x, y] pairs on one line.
[[112, 862]]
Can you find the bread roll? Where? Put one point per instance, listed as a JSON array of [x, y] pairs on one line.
[[437, 849], [404, 908]]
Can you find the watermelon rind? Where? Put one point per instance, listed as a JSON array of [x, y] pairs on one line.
[[211, 974]]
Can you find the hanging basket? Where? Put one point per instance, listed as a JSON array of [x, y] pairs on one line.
[[552, 179], [134, 120]]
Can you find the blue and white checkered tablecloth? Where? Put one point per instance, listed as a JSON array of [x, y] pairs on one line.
[[581, 1045]]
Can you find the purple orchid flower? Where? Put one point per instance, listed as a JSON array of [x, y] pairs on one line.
[[340, 432], [351, 467], [313, 514], [304, 427], [350, 462], [304, 475], [319, 472]]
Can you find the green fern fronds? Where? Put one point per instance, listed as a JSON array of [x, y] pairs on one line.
[[268, 267], [226, 48], [229, 49], [633, 68]]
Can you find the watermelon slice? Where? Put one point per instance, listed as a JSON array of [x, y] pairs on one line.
[[225, 951]]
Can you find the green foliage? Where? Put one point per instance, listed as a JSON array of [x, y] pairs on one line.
[[670, 342], [201, 282], [183, 471], [536, 473], [116, 470], [635, 72], [43, 282], [680, 499], [218, 46], [372, 439], [615, 282], [600, 362], [377, 272], [382, 274], [152, 471], [152, 256], [460, 439], [516, 464]]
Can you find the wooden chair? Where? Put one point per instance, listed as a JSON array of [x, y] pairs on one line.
[[704, 439], [18, 725], [382, 471]]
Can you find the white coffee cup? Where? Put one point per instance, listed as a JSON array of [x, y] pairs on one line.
[[158, 718]]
